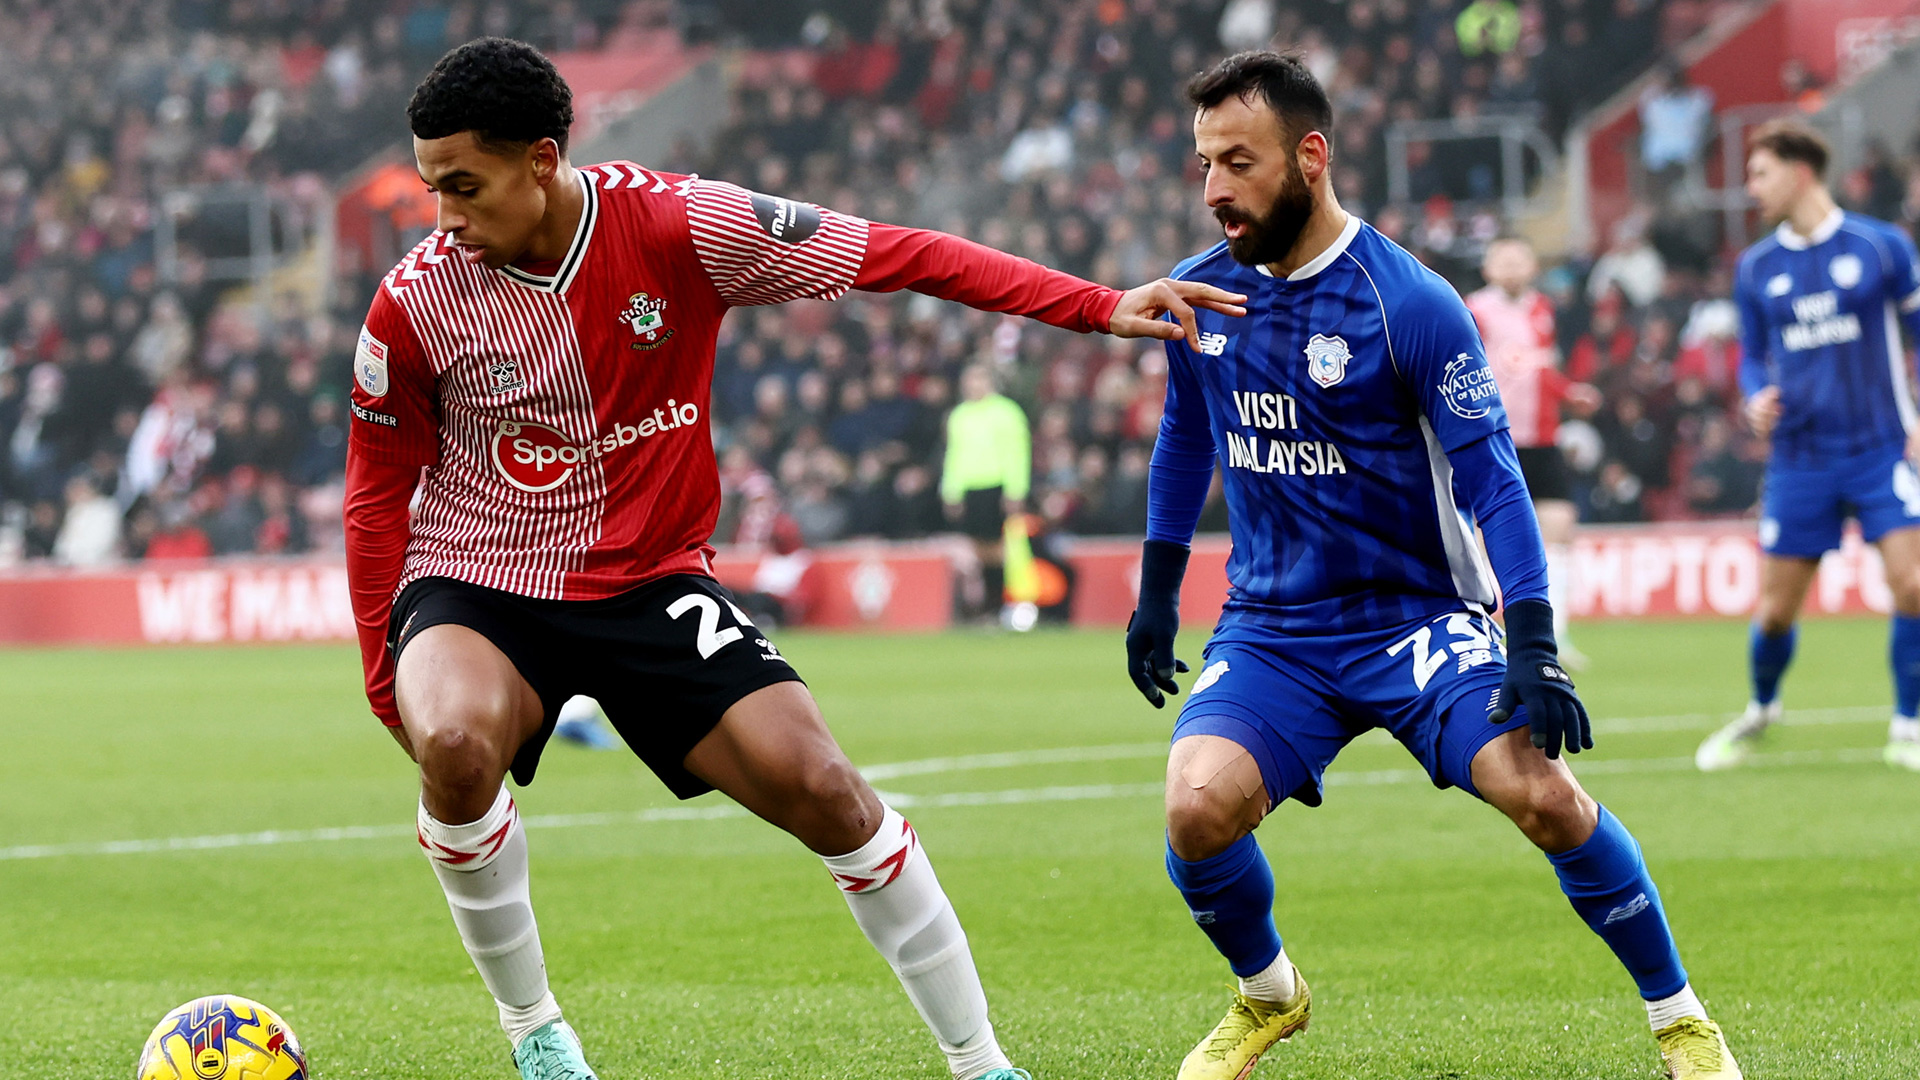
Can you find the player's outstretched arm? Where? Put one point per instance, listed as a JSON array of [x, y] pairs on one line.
[[759, 249], [953, 268]]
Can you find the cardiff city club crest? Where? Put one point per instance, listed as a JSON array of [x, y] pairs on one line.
[[643, 314], [1845, 270], [1327, 359]]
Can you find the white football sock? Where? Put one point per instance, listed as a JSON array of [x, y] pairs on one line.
[[1903, 729], [1560, 587], [898, 903], [1274, 985], [1668, 1009], [482, 867]]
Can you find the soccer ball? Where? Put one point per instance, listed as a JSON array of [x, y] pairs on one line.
[[222, 1038]]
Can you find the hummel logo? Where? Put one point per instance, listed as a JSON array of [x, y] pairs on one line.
[[1628, 910], [1204, 918], [1213, 344]]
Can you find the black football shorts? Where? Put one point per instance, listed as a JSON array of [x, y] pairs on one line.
[[665, 660]]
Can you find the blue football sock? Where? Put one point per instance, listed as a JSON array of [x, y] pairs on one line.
[[1607, 881], [1231, 897], [1769, 657], [1906, 664]]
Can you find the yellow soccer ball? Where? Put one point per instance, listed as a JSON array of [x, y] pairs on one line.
[[223, 1038]]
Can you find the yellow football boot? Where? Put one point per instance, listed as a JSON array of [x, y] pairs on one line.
[[1251, 1027], [1694, 1049]]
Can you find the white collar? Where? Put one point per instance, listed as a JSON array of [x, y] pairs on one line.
[[1822, 232], [1324, 259], [582, 235]]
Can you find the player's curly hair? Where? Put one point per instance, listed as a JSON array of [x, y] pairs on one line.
[[1281, 80], [506, 92]]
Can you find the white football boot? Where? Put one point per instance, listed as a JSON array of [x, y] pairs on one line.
[[1733, 745], [1903, 744]]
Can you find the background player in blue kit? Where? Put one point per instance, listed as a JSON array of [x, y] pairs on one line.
[[1358, 425], [1825, 374]]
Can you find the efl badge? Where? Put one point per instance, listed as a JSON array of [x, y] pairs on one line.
[[643, 314], [1327, 359], [1845, 270], [506, 375], [370, 364]]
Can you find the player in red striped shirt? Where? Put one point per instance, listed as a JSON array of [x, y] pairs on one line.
[[536, 374], [1517, 326]]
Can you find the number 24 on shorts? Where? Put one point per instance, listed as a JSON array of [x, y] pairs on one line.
[[709, 638], [1471, 644]]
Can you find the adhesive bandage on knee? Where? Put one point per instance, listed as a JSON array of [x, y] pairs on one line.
[[898, 903], [482, 867]]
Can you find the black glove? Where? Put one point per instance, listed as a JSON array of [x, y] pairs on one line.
[[1536, 679], [1155, 621]]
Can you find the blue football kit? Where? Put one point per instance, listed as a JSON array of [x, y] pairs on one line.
[[1341, 407], [1361, 438], [1820, 319]]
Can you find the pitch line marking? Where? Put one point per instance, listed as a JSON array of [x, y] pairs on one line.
[[900, 800]]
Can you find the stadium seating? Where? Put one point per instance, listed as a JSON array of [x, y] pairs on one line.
[[150, 416]]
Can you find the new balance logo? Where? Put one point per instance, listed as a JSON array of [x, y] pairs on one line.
[[1628, 910], [1213, 344], [1204, 918]]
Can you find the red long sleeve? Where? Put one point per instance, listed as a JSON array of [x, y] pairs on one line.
[[376, 524], [951, 268]]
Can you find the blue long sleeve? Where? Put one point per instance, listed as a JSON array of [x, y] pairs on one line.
[[1487, 473], [1183, 456], [1754, 338]]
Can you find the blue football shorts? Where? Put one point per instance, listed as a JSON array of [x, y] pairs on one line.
[[1294, 702], [1806, 504]]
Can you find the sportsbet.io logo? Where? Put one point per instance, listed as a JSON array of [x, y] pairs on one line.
[[535, 457], [1468, 387]]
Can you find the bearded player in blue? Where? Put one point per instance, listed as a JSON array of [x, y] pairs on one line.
[[1360, 435], [1826, 378]]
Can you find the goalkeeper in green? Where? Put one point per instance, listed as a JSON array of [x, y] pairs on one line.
[[984, 479]]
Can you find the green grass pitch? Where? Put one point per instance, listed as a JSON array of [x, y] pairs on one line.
[[1436, 941]]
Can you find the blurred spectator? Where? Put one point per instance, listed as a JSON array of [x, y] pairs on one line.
[[90, 533], [1056, 129], [1673, 128], [1488, 27], [1721, 481]]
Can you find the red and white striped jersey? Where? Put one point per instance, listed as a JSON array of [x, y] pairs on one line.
[[1519, 335], [562, 419]]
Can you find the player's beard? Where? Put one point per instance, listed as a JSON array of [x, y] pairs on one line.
[[1270, 236]]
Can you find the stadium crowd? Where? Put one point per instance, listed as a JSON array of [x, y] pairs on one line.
[[147, 416]]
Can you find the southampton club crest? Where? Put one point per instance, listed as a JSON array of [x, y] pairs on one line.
[[1327, 359], [644, 314]]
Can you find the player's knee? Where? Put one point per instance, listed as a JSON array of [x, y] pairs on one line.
[[1773, 618], [831, 786], [1200, 824], [1554, 813], [462, 740], [453, 758]]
